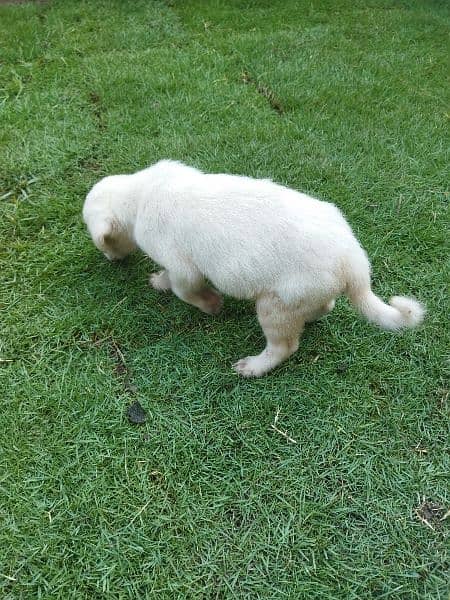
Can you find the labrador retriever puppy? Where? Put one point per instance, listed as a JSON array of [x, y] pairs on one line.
[[251, 238]]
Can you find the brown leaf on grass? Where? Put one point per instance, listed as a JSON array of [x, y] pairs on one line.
[[431, 514]]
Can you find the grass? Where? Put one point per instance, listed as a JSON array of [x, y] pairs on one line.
[[345, 100]]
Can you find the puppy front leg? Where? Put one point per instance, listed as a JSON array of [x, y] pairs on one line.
[[160, 281], [189, 287]]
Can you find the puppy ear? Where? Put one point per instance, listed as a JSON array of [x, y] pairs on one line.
[[107, 238], [104, 232]]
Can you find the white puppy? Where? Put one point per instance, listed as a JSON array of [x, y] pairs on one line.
[[251, 238]]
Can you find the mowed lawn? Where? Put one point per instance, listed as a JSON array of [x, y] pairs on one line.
[[346, 100]]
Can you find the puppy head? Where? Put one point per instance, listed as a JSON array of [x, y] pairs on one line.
[[104, 213], [110, 239]]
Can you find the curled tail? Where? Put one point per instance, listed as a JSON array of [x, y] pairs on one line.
[[400, 312]]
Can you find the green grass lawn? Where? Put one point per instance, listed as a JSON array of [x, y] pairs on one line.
[[346, 100]]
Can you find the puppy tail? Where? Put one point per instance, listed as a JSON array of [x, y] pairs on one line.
[[401, 311]]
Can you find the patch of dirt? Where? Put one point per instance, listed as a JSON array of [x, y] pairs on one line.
[[97, 109], [89, 163], [265, 91], [432, 514], [120, 366]]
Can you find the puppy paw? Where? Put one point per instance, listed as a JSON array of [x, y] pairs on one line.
[[210, 302], [331, 304], [251, 366], [160, 281]]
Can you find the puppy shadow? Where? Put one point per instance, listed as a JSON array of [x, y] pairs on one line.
[[139, 316]]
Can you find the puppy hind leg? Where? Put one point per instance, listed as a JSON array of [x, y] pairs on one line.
[[282, 326], [320, 312]]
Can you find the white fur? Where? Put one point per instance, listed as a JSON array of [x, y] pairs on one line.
[[251, 238]]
